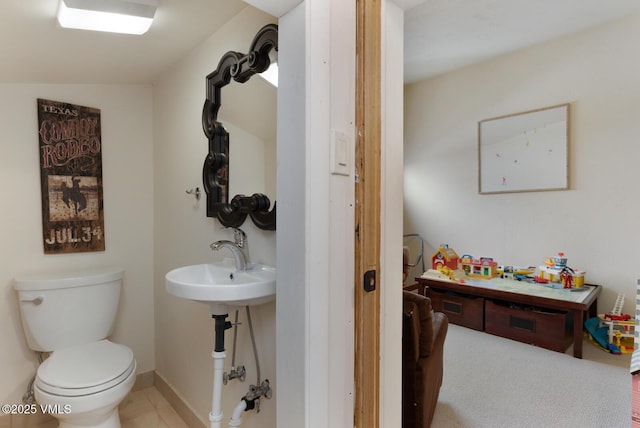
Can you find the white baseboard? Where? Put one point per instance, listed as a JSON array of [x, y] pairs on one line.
[[178, 403]]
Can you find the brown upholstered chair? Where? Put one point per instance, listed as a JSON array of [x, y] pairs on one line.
[[423, 336]]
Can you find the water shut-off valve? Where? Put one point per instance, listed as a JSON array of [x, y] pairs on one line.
[[235, 373], [255, 392]]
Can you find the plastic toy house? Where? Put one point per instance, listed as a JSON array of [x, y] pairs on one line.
[[552, 274], [484, 267], [445, 256]]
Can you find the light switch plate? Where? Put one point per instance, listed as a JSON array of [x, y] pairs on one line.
[[340, 153]]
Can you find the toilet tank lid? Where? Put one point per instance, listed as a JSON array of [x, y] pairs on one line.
[[68, 279]]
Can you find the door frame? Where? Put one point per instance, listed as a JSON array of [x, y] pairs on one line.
[[367, 228]]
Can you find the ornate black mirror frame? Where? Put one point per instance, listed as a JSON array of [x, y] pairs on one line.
[[215, 172]]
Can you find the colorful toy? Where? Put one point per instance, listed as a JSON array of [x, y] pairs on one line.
[[560, 261], [598, 336], [447, 271], [555, 269], [578, 278], [484, 267], [566, 277], [617, 306], [618, 337], [445, 256], [519, 273], [505, 272], [540, 280], [613, 349], [618, 327], [623, 317]]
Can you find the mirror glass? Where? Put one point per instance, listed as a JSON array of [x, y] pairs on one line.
[[249, 115]]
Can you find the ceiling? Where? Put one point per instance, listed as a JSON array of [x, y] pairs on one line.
[[35, 49], [444, 35], [440, 36]]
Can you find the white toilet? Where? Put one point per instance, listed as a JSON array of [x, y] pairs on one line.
[[70, 315]]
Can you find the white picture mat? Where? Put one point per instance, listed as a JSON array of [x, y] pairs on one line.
[[524, 151]]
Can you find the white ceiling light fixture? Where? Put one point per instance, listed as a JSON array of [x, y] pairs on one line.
[[115, 16]]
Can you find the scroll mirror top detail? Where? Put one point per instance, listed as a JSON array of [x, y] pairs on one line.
[[524, 152], [215, 172]]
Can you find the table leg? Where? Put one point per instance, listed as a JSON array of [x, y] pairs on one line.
[[593, 309], [578, 321]]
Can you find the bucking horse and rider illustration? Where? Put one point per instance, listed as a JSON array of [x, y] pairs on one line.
[[73, 196]]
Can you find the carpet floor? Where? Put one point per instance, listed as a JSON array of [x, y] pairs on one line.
[[494, 382]]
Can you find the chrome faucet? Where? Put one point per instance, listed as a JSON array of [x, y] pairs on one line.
[[237, 248]]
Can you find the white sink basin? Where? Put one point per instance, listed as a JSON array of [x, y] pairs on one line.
[[221, 286]]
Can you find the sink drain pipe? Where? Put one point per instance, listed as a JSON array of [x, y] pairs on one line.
[[219, 355], [252, 399], [236, 417], [249, 402]]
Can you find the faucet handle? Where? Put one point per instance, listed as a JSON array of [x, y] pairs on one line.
[[239, 236]]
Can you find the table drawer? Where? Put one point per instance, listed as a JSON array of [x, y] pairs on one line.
[[461, 309], [541, 327]]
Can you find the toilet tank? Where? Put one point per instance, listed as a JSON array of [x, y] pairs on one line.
[[65, 309]]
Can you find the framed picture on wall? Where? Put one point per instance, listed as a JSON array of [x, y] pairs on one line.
[[524, 152], [71, 177]]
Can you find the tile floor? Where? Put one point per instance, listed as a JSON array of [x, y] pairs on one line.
[[147, 408], [144, 408]]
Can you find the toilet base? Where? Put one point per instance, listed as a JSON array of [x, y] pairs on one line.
[[90, 411]]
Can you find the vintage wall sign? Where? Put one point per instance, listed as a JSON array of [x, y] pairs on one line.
[[71, 177]]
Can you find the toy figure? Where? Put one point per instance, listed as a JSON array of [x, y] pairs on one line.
[[566, 275], [567, 279], [618, 337]]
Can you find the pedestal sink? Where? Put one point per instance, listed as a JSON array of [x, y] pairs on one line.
[[222, 286]]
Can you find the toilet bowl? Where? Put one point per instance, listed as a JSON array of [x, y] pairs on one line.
[[82, 385], [70, 315]]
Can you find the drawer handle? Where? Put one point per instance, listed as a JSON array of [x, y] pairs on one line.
[[522, 323], [452, 307]]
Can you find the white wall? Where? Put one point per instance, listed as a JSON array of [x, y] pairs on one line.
[[391, 215], [128, 212], [315, 330], [595, 222], [291, 292], [184, 329], [315, 219]]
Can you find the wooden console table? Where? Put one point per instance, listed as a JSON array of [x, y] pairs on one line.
[[498, 290]]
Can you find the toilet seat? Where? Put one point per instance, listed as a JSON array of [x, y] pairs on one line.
[[85, 369]]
